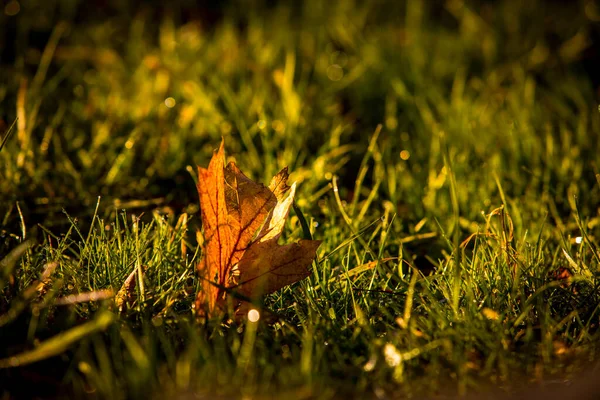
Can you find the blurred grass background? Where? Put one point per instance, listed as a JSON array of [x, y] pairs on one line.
[[458, 138]]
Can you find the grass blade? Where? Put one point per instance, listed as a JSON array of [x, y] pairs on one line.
[[61, 342]]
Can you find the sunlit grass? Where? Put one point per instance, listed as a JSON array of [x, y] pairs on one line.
[[445, 157]]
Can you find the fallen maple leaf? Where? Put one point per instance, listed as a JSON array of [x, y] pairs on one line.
[[242, 223]]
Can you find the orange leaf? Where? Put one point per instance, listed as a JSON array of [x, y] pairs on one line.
[[242, 223]]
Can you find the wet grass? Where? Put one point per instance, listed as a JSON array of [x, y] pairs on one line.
[[446, 156]]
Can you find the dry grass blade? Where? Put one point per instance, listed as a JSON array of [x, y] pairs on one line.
[[8, 134], [85, 297], [126, 293]]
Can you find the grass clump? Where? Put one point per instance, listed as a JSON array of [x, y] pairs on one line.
[[446, 158]]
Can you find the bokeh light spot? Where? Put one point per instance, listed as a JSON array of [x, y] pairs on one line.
[[338, 57], [335, 72], [253, 315], [12, 8], [405, 155], [392, 356], [278, 126], [592, 11], [391, 123], [170, 102], [370, 365], [84, 367]]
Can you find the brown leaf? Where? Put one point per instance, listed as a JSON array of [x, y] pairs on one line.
[[267, 267], [126, 294], [242, 222], [279, 185]]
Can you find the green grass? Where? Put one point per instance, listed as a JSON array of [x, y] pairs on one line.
[[446, 157]]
